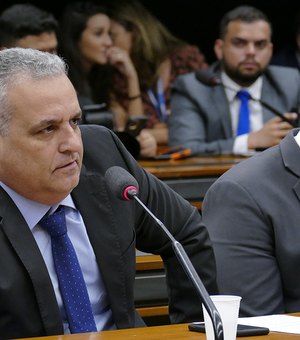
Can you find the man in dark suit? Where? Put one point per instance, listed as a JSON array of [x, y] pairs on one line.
[[43, 166], [205, 118], [252, 213]]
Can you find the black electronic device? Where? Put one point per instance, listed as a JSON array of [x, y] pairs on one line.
[[136, 124], [242, 330]]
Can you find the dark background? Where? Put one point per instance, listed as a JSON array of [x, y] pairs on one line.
[[197, 21]]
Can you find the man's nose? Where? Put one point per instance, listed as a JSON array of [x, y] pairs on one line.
[[70, 140], [250, 48]]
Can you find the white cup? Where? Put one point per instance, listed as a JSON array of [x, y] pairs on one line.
[[228, 307]]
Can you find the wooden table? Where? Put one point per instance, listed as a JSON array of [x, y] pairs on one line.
[[145, 265], [174, 332], [191, 177], [192, 166], [148, 262]]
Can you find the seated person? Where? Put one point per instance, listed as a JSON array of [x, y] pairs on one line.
[[86, 44], [25, 25], [48, 160], [206, 118], [158, 56], [252, 215]]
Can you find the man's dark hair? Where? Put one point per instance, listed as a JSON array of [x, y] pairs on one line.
[[246, 14], [20, 20]]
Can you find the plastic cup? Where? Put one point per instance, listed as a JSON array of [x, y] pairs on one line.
[[228, 307]]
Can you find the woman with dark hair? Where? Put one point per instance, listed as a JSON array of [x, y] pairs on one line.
[[94, 62], [158, 56]]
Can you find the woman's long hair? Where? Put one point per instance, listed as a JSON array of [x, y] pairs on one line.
[[97, 83], [152, 41]]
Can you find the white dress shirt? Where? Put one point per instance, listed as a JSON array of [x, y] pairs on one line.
[[240, 145], [297, 138]]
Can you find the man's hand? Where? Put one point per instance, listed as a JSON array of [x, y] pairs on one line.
[[271, 133], [147, 143]]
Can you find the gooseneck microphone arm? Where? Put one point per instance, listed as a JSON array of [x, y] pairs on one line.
[[126, 187], [276, 112], [191, 273], [209, 78]]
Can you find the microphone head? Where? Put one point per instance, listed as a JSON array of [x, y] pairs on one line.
[[207, 77], [121, 183]]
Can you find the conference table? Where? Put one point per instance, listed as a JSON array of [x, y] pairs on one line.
[[191, 177], [174, 332]]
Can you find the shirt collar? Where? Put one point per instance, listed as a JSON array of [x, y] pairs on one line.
[[233, 88], [297, 138], [33, 211]]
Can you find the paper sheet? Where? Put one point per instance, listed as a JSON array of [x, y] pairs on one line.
[[275, 323]]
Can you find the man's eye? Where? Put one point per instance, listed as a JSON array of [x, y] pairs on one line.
[[239, 43], [48, 129], [261, 44], [75, 121]]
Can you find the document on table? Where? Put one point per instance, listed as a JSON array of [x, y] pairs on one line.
[[275, 323]]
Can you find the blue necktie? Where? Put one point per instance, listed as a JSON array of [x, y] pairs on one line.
[[71, 282], [244, 114]]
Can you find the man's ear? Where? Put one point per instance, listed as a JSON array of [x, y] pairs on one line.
[[218, 48]]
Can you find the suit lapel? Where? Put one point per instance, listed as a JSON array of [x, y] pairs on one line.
[[221, 103], [291, 157], [24, 245], [271, 97]]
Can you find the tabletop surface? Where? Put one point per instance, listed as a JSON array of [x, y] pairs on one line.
[[174, 332], [192, 166]]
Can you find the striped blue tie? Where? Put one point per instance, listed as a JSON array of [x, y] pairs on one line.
[[244, 114], [71, 282]]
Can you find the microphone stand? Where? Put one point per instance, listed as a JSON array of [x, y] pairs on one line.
[[190, 271]]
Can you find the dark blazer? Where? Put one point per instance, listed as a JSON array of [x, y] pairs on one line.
[[252, 213], [200, 116], [116, 228]]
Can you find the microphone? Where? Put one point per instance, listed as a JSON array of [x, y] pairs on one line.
[[209, 78], [125, 187], [122, 184]]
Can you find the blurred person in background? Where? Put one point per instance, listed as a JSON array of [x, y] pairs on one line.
[[27, 26], [206, 118], [93, 62], [158, 56]]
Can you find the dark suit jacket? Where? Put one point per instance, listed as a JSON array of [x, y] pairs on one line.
[[116, 228], [252, 213], [200, 116]]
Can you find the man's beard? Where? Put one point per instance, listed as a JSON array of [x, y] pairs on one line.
[[243, 79]]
